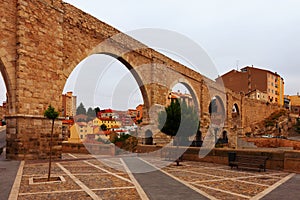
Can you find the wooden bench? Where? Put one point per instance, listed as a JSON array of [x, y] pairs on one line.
[[248, 161], [171, 154]]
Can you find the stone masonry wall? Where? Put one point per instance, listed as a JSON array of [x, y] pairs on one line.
[[254, 111], [39, 66], [39, 43], [8, 54]]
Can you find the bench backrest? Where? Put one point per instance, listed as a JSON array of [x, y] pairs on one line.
[[251, 159]]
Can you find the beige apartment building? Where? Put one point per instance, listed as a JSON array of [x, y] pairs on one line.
[[250, 79], [68, 105], [294, 103]]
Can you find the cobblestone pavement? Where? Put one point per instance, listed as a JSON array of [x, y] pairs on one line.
[[84, 177]]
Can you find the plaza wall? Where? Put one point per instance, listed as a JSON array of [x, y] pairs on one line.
[[278, 159]]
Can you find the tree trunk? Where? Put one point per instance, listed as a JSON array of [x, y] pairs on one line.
[[50, 158]]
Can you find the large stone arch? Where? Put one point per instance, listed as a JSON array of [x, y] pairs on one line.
[[136, 73]]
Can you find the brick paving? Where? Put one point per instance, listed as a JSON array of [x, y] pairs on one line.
[[90, 178]]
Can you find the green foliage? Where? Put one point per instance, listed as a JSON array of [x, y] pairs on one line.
[[103, 127], [50, 113], [81, 110], [178, 119], [97, 109], [91, 114], [169, 120]]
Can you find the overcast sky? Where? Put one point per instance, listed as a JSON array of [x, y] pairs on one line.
[[234, 33]]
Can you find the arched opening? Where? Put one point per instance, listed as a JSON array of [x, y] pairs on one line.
[[103, 101], [217, 117], [148, 137], [180, 119], [217, 111], [185, 93], [3, 100], [3, 95], [235, 111], [3, 105]]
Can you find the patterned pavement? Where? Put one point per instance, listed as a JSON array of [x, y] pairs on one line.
[[85, 177]]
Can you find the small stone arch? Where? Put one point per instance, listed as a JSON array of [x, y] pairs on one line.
[[148, 137], [217, 111], [189, 86], [235, 112], [225, 136]]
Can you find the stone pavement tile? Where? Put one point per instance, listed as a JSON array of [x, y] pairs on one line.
[[267, 180], [102, 181], [25, 187], [236, 187], [119, 194], [221, 172], [83, 169], [219, 195], [190, 177], [40, 169], [56, 196], [114, 168]]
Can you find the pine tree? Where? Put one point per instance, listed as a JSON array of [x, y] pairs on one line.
[[91, 114], [81, 109], [179, 119]]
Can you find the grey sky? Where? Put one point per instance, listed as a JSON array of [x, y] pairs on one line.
[[260, 33]]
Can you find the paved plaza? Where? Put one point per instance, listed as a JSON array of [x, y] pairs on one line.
[[85, 177]]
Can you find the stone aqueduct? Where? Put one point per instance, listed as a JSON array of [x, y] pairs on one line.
[[42, 41]]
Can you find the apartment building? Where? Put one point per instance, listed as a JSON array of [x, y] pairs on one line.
[[68, 105], [294, 103], [250, 79]]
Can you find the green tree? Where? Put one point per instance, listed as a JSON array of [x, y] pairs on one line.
[[50, 113], [97, 109], [91, 114], [179, 119], [103, 127], [81, 109]]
